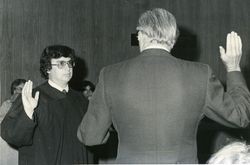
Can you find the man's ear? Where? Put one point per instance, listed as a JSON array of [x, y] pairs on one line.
[[48, 71], [171, 43]]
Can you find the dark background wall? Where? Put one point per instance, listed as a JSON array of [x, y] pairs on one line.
[[100, 32]]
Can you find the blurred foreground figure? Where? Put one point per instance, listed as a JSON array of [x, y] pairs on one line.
[[234, 153]]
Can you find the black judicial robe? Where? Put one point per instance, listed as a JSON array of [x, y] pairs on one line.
[[51, 137]]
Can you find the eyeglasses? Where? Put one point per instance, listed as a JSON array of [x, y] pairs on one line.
[[62, 64]]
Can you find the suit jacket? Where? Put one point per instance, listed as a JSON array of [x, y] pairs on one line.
[[156, 101]]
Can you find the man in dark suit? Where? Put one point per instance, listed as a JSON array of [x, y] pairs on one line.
[[155, 101]]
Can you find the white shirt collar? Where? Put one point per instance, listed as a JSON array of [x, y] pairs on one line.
[[157, 47], [54, 85]]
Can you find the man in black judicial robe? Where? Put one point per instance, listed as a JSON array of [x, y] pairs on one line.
[[44, 127]]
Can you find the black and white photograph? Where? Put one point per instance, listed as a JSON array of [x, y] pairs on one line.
[[124, 82]]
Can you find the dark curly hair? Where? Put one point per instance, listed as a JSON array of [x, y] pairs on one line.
[[86, 83], [54, 51]]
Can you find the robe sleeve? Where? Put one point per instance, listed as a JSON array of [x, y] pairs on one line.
[[4, 109], [231, 107], [94, 127], [17, 128]]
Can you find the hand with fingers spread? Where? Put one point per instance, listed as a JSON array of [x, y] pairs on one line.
[[232, 55], [29, 103]]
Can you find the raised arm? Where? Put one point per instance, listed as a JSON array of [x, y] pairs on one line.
[[232, 55], [230, 107], [29, 103], [18, 127]]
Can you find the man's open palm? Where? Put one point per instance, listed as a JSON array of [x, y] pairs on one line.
[[29, 103]]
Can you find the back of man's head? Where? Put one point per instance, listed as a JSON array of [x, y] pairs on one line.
[[159, 25]]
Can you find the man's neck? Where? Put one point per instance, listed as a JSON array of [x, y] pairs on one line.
[[58, 86]]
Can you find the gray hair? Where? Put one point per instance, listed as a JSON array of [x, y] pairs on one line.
[[159, 25]]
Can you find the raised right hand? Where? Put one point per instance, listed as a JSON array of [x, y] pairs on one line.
[[29, 103], [232, 55]]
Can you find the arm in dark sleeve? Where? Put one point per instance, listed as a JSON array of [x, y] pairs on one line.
[[4, 108], [232, 107], [94, 127], [17, 128]]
